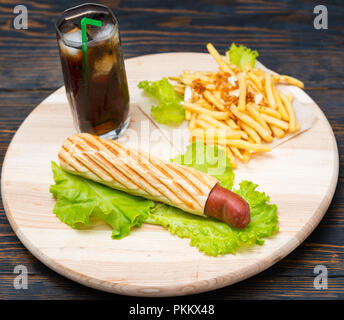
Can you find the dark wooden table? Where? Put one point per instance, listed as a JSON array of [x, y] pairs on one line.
[[284, 35]]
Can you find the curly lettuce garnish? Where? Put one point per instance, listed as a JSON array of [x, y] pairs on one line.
[[169, 111], [242, 56]]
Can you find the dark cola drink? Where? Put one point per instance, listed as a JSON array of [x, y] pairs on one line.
[[96, 82]]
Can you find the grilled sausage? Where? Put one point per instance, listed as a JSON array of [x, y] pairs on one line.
[[227, 206]]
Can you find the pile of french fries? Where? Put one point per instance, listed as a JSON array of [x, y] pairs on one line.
[[238, 110]]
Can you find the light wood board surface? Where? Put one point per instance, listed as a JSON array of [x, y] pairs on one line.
[[300, 176]]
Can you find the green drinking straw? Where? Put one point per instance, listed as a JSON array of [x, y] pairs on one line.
[[85, 70], [84, 22]]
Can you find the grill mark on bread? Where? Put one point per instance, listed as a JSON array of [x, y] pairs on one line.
[[89, 143], [138, 154], [120, 148], [144, 156], [177, 170], [166, 173], [102, 162], [179, 187], [168, 197], [77, 146], [200, 178], [175, 184], [84, 157], [66, 163], [80, 162], [115, 152], [128, 168]]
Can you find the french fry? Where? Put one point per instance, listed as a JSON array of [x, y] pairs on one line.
[[276, 122], [214, 133], [246, 156], [174, 78], [208, 137], [248, 146], [202, 124], [292, 120], [214, 100], [289, 80], [237, 153], [268, 90], [271, 112], [203, 77], [179, 90], [223, 65], [251, 132], [210, 86], [198, 109], [236, 143], [217, 95], [205, 104], [251, 86], [187, 114], [180, 85], [253, 110], [192, 122], [220, 132], [209, 122], [186, 81], [231, 157], [256, 82], [231, 123], [242, 92], [189, 76], [278, 132], [252, 123], [213, 121], [243, 135], [280, 106]]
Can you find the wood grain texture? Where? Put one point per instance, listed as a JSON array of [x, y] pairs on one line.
[[165, 26], [30, 71], [168, 265]]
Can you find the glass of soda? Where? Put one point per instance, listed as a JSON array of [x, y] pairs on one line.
[[97, 92]]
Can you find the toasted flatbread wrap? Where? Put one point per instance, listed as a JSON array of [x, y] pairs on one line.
[[136, 172]]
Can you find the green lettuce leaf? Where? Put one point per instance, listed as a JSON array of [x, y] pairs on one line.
[[78, 199], [169, 111], [209, 159], [242, 56], [212, 236], [264, 216]]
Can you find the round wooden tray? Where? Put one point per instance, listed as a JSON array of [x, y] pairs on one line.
[[300, 175]]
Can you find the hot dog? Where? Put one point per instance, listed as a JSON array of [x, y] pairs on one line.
[[138, 173], [227, 206]]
